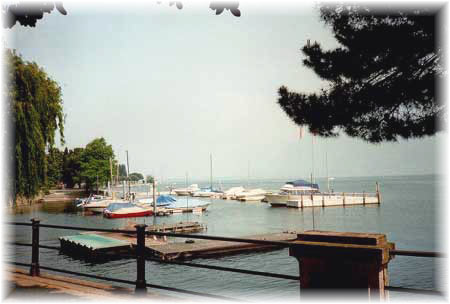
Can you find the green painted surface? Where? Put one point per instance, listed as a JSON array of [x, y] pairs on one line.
[[94, 241]]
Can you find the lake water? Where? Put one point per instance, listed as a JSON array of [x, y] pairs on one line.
[[407, 215]]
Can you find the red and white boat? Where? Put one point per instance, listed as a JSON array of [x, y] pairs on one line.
[[122, 210]]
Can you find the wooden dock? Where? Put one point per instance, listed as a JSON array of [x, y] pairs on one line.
[[209, 248], [67, 288], [176, 227]]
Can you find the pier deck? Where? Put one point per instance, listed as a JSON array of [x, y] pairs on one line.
[[66, 287], [209, 248]]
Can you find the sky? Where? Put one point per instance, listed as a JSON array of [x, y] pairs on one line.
[[173, 87]]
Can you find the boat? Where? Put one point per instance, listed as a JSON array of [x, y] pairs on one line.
[[206, 192], [187, 203], [98, 206], [92, 198], [122, 210], [291, 191], [251, 195], [186, 191], [232, 192]]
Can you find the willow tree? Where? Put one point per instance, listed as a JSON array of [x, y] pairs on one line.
[[380, 82], [35, 109]]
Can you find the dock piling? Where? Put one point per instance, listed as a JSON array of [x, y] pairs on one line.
[[347, 261], [34, 269], [140, 259]]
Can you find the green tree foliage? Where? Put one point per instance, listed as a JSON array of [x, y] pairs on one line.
[[149, 179], [27, 13], [71, 173], [95, 162], [136, 176], [35, 108], [55, 160], [381, 79]]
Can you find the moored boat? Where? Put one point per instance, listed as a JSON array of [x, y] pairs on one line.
[[186, 191], [232, 192], [122, 210], [206, 192], [98, 206], [291, 191], [253, 194]]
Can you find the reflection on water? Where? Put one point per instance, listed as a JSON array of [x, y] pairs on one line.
[[406, 215]]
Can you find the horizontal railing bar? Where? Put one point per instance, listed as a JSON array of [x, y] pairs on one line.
[[129, 282], [196, 293], [413, 290], [18, 224], [86, 229], [220, 238], [50, 247], [18, 263], [237, 270], [252, 272], [427, 254], [392, 288], [18, 244]]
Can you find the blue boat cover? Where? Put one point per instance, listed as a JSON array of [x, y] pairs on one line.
[[303, 183], [165, 200], [116, 206]]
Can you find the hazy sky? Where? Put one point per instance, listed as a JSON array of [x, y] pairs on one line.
[[172, 86]]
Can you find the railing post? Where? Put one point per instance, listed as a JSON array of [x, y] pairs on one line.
[[140, 259], [34, 269]]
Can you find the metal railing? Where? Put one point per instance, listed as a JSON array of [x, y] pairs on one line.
[[140, 255]]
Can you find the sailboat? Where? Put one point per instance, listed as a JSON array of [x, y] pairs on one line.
[[208, 191]]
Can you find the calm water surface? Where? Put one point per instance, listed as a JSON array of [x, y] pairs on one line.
[[407, 215]]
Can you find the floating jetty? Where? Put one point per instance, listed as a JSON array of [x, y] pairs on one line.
[[210, 248], [337, 199], [176, 227], [94, 243]]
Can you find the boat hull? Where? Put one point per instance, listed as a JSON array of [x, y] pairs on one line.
[[182, 193], [113, 215], [95, 209]]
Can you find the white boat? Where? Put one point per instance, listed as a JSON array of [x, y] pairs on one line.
[[206, 192], [300, 194], [232, 192], [98, 206], [187, 203], [291, 191], [253, 194], [186, 191], [93, 198]]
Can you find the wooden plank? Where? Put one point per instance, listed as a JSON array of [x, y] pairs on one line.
[[343, 237], [71, 286], [204, 248]]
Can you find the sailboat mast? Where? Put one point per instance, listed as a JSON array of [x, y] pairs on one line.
[[312, 156], [248, 174], [210, 167], [326, 167]]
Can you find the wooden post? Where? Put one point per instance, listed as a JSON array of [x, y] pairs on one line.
[[34, 270], [323, 200], [343, 198], [140, 259], [111, 185], [378, 193], [301, 197], [364, 197], [347, 263], [154, 197]]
